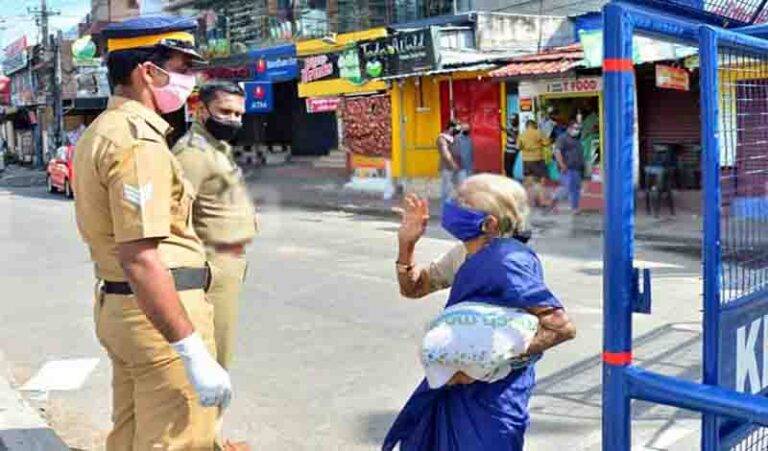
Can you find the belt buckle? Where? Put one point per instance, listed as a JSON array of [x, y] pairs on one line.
[[208, 277]]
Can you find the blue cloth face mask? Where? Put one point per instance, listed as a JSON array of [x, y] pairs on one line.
[[463, 223]]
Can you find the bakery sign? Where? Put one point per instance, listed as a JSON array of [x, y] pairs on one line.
[[669, 77], [319, 67]]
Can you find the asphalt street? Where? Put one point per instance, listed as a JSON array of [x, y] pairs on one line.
[[327, 349]]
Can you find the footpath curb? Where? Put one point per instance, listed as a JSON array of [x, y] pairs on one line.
[[21, 426], [586, 225]]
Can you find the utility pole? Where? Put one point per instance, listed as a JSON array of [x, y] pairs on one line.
[[58, 108], [42, 16]]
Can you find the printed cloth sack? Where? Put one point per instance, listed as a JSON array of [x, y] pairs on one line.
[[481, 340]]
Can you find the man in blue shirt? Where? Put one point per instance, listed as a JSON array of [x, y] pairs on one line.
[[569, 154], [466, 151]]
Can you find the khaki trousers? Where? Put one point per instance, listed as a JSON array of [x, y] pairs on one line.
[[154, 405], [224, 294]]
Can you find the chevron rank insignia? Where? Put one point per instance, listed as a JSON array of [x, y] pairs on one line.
[[137, 195]]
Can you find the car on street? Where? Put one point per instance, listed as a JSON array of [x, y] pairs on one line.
[[59, 171]]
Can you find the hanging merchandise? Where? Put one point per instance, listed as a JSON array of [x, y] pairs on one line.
[[517, 170], [368, 125], [552, 171]]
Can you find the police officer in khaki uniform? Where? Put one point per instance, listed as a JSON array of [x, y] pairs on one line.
[[133, 210], [223, 214]]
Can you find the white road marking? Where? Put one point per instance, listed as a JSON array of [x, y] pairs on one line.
[[598, 264], [61, 375]]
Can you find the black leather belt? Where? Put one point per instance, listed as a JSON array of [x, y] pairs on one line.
[[183, 278]]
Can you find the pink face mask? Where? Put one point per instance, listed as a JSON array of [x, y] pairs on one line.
[[175, 93]]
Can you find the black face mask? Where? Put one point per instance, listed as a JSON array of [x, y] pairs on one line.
[[222, 129]]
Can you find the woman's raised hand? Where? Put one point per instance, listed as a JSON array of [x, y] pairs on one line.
[[415, 216]]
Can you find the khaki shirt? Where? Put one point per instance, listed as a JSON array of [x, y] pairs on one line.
[[223, 211], [129, 187], [442, 271], [532, 143]]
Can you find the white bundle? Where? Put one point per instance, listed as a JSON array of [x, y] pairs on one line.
[[480, 340]]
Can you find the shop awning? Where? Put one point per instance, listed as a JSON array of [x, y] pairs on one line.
[[464, 60], [445, 70], [549, 62], [84, 105]]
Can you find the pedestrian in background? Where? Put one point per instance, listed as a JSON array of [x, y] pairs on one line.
[[510, 149], [493, 264], [223, 214], [532, 145], [450, 158], [467, 152], [133, 209], [569, 154]]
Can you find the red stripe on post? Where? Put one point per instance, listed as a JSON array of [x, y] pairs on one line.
[[617, 358], [618, 65]]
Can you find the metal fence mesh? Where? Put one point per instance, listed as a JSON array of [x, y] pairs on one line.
[[748, 11], [743, 173], [743, 132]]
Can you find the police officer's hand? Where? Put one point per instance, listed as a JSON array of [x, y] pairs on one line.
[[210, 380]]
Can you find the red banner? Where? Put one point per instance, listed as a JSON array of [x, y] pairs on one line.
[[322, 104]]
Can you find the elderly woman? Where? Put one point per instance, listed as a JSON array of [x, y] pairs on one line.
[[492, 265]]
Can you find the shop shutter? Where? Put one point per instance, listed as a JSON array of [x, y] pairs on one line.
[[668, 116]]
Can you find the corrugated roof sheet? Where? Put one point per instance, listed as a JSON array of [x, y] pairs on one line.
[[549, 62]]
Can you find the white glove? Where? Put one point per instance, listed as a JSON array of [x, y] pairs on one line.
[[210, 380]]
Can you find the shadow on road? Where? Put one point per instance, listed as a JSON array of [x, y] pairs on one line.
[[33, 192], [375, 425]]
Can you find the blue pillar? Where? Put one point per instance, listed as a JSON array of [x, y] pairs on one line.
[[618, 238], [710, 98]]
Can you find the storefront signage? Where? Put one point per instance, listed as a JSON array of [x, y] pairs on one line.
[[526, 104], [668, 77], [277, 69], [15, 56], [365, 167], [259, 97], [229, 73], [322, 104], [5, 90], [349, 66], [84, 52], [275, 64], [319, 67], [400, 54], [573, 85]]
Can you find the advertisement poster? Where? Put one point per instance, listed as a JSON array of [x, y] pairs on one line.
[[668, 77], [15, 55], [322, 104], [319, 67], [400, 54]]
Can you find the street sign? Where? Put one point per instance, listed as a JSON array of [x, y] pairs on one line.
[[259, 97]]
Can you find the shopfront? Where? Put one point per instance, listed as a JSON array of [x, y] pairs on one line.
[[338, 84], [573, 98], [476, 101]]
